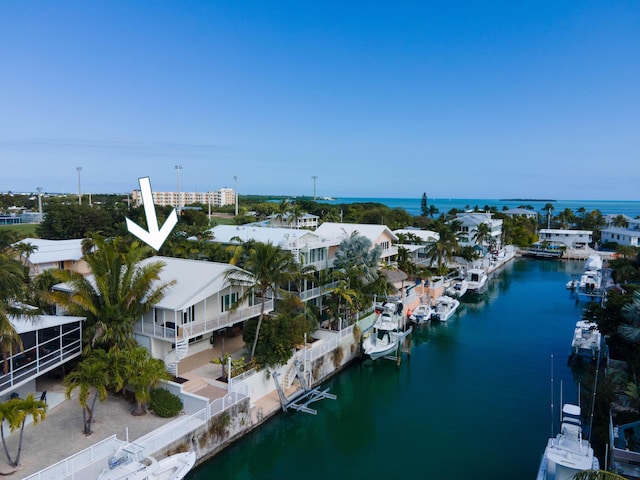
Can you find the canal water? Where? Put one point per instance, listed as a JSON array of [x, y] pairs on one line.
[[474, 400]]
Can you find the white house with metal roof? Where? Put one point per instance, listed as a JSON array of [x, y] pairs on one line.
[[469, 223], [378, 235], [307, 220], [622, 236], [419, 239], [53, 254], [570, 238], [192, 309]]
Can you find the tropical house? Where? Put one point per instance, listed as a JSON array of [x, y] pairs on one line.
[[45, 255], [193, 310], [418, 241], [49, 342], [379, 235], [521, 212], [468, 224], [308, 248], [628, 236], [306, 220], [569, 238]]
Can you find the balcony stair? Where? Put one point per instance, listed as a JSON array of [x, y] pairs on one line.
[[172, 359]]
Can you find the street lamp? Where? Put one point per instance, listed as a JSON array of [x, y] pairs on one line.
[[79, 169], [39, 189], [235, 189], [315, 177], [178, 168]]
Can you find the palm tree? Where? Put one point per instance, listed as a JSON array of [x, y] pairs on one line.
[[343, 291], [118, 293], [482, 235], [548, 208], [12, 289], [15, 412], [631, 312], [90, 376], [25, 250], [295, 214], [620, 221], [145, 373], [442, 251], [266, 268], [356, 256]]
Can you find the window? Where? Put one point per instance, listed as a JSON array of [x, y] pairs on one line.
[[189, 315], [228, 301]]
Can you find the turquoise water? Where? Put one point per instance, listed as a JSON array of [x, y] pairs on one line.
[[412, 205], [473, 401]]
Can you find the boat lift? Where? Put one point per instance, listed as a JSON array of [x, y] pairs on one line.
[[301, 399], [401, 341]]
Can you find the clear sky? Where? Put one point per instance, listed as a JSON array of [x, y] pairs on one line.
[[477, 99]]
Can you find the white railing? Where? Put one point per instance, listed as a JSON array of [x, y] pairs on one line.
[[209, 324], [172, 431], [229, 400], [67, 468]]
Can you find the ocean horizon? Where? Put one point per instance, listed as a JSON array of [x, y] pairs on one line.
[[631, 208]]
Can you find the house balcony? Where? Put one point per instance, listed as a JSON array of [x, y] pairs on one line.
[[41, 358], [210, 323]]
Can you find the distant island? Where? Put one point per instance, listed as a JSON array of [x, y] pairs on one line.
[[526, 200]]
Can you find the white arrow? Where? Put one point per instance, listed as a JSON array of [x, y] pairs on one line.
[[155, 237]]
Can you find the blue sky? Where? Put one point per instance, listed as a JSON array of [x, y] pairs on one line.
[[536, 99]]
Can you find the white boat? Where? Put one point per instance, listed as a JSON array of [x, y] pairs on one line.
[[458, 287], [593, 262], [387, 333], [421, 314], [444, 308], [476, 279], [130, 463], [567, 453], [587, 340]]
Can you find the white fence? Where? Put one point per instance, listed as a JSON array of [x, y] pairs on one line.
[[69, 467]]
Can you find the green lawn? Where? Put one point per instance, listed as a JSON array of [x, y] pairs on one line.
[[24, 230]]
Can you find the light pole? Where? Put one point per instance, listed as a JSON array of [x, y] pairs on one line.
[[178, 168], [79, 169], [315, 177], [235, 189], [39, 189]]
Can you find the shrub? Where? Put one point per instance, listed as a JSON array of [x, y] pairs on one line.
[[164, 403]]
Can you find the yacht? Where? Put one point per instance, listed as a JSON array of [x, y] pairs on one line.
[[130, 463], [476, 279], [567, 453], [444, 308], [587, 340]]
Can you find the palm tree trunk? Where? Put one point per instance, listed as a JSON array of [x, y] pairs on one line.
[[4, 443], [17, 462], [255, 340]]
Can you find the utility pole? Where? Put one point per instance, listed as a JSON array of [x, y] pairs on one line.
[[315, 177], [235, 189], [178, 168], [79, 169], [39, 189]]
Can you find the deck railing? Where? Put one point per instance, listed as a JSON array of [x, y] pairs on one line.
[[210, 323]]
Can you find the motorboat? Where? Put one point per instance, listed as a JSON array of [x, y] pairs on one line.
[[593, 262], [129, 462], [476, 279], [386, 334], [567, 453], [458, 287], [421, 314], [587, 340], [444, 308]]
